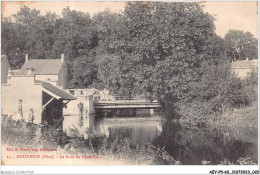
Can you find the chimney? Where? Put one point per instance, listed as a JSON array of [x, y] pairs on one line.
[[246, 58], [62, 58], [26, 58]]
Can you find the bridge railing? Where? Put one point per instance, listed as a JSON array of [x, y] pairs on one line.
[[115, 98], [127, 98], [97, 96], [122, 99]]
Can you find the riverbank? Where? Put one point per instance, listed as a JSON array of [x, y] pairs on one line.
[[77, 151], [221, 140], [242, 123]]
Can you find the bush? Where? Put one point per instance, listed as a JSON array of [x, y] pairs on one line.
[[217, 91], [25, 134]]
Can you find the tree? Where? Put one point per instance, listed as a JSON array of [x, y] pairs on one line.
[[158, 47], [217, 49], [113, 72], [47, 36], [27, 32], [10, 45], [84, 71], [242, 45], [210, 93], [76, 37]]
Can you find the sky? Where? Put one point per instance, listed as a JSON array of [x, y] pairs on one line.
[[229, 15]]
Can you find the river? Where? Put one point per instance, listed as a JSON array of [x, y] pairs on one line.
[[189, 145]]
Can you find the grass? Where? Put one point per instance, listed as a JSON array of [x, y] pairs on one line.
[[242, 123], [20, 135], [118, 152]]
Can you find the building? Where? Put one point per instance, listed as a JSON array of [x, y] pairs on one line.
[[243, 68], [45, 99], [5, 67], [40, 86], [53, 71]]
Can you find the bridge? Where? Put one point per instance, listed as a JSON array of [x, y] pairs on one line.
[[101, 104], [101, 100], [124, 102], [129, 107]]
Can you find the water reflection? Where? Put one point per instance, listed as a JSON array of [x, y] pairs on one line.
[[139, 132], [190, 146]]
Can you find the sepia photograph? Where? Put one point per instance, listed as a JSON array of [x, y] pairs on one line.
[[129, 83]]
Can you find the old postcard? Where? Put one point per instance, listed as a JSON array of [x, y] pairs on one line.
[[129, 83]]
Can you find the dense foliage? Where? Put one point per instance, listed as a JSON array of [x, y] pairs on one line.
[[217, 92], [241, 45], [160, 50]]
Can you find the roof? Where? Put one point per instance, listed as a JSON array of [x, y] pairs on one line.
[[242, 64], [4, 61], [56, 92], [3, 57], [43, 66]]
